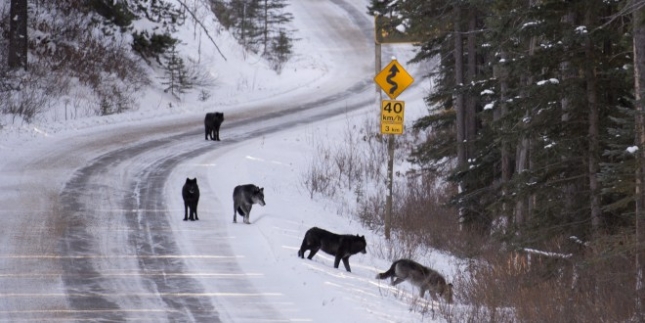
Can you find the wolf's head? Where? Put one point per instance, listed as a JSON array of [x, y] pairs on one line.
[[360, 245], [258, 196], [190, 187]]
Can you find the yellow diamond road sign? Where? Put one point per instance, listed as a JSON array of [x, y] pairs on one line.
[[393, 79]]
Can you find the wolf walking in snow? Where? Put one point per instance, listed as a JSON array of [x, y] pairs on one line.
[[420, 276], [342, 246], [244, 196]]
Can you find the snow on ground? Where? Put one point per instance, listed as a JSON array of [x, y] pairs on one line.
[[301, 290]]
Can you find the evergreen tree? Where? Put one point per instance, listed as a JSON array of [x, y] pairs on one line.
[[18, 46], [280, 50], [529, 74], [175, 74], [148, 43], [274, 18], [259, 26], [247, 27]]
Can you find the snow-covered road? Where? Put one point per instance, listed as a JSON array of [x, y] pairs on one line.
[[87, 232]]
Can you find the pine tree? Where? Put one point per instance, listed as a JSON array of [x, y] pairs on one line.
[[280, 50], [18, 46], [247, 24], [175, 74], [518, 60], [274, 17]]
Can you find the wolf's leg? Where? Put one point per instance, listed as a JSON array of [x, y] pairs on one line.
[[247, 213], [397, 281], [185, 212], [313, 251], [234, 213], [346, 263]]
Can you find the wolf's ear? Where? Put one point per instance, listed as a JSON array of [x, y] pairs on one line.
[[261, 189]]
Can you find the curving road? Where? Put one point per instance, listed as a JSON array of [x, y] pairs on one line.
[[96, 243]]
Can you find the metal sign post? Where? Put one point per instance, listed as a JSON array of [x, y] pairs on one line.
[[393, 79]]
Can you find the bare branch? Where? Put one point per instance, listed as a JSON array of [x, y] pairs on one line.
[[202, 25]]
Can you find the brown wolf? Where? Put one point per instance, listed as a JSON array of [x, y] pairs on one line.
[[420, 276]]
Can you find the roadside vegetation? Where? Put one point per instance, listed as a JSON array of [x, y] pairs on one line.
[[94, 58], [497, 283], [530, 164]]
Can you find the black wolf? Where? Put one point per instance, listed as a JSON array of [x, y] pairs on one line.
[[190, 192], [212, 122], [244, 196], [340, 245], [420, 276]]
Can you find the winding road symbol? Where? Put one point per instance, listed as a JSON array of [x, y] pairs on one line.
[[393, 79], [388, 79]]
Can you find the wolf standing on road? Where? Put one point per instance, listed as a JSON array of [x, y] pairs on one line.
[[420, 276], [190, 193], [212, 123], [340, 245], [244, 196]]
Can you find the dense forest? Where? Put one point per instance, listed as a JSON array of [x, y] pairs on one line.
[[537, 119]]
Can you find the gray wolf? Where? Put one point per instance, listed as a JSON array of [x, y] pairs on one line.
[[420, 276], [212, 123], [244, 196], [342, 246], [190, 193]]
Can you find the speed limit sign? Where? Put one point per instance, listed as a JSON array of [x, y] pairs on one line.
[[392, 117]]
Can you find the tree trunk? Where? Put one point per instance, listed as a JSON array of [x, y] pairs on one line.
[[471, 103], [266, 25], [594, 143], [639, 93], [521, 156], [501, 73], [459, 101], [18, 42], [522, 150], [567, 73]]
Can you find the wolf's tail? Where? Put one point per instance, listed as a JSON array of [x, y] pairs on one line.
[[388, 273], [303, 247]]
